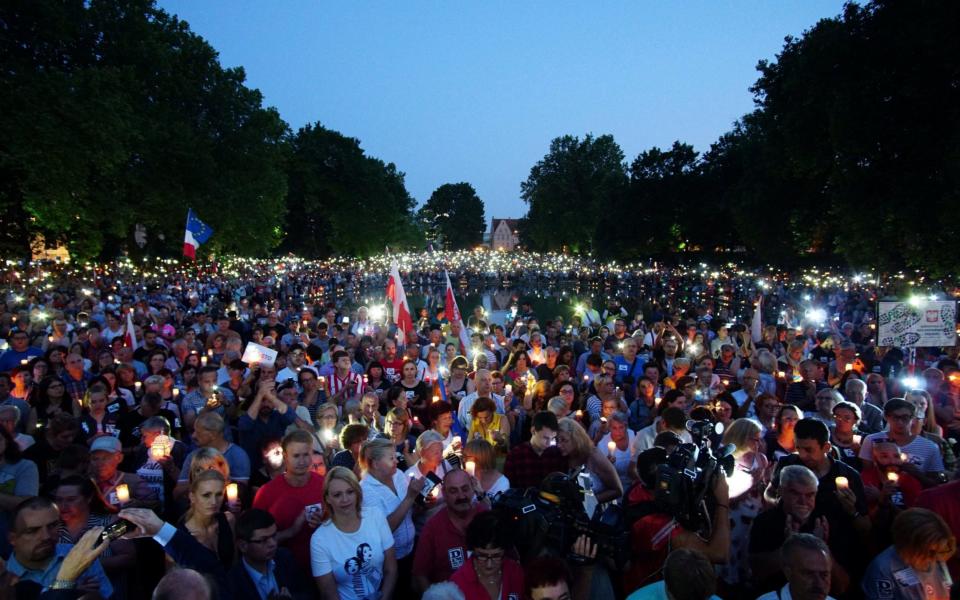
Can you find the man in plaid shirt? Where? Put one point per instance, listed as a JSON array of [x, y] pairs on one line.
[[530, 462], [75, 379]]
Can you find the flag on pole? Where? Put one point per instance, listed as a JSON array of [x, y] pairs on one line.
[[197, 233], [453, 314], [130, 333], [397, 297], [756, 326]]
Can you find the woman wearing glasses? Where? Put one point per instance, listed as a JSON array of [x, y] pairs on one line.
[[487, 573]]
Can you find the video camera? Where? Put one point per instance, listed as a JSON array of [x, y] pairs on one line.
[[685, 481], [549, 519]]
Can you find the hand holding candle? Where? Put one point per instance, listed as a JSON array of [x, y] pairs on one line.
[[123, 493]]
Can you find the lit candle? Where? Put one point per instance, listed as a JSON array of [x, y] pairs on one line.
[[904, 457], [210, 353], [436, 398], [508, 388], [160, 447], [611, 447], [203, 361], [456, 441], [579, 414], [893, 477], [176, 392], [842, 483], [123, 493], [781, 374], [849, 367], [137, 385], [232, 492], [586, 378], [656, 401], [24, 362], [857, 439], [471, 468]]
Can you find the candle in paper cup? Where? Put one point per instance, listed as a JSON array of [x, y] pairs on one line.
[[210, 353], [123, 493], [471, 468], [436, 398], [781, 374], [138, 385], [842, 483], [579, 414], [24, 362], [232, 492], [508, 388], [611, 447], [893, 477], [849, 367], [203, 361], [176, 392]]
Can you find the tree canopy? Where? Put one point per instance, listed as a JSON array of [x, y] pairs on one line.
[[453, 217], [853, 150]]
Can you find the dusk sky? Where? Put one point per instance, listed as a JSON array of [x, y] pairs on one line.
[[475, 91]]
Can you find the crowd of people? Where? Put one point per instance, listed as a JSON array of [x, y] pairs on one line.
[[143, 452]]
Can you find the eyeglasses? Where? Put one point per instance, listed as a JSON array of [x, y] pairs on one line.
[[846, 419], [491, 558]]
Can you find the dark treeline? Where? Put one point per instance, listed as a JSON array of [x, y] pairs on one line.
[[115, 114], [853, 151]]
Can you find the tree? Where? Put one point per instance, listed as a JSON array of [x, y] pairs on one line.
[[454, 216], [115, 114], [569, 189], [341, 201]]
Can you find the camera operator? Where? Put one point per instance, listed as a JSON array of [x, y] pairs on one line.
[[654, 535]]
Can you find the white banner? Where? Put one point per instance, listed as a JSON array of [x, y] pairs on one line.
[[257, 354], [917, 323]]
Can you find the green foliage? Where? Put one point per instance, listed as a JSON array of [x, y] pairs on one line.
[[341, 201], [116, 114], [568, 191], [453, 217], [853, 150]]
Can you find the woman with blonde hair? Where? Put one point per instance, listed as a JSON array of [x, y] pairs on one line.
[[204, 520], [351, 552], [922, 544], [484, 458], [746, 494], [577, 447]]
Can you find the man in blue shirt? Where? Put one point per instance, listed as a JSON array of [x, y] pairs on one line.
[[36, 554], [19, 351]]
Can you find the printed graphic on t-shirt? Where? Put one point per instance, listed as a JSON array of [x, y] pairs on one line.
[[456, 557], [365, 577]]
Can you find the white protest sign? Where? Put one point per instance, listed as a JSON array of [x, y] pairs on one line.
[[257, 354], [917, 323]]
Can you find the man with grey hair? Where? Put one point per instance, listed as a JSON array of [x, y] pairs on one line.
[[9, 417], [794, 513], [807, 568], [484, 382], [871, 417]]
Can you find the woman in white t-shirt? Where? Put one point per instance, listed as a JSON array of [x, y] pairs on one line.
[[351, 553]]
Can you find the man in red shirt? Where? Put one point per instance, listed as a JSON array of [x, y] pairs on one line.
[[294, 498], [443, 542], [530, 462], [392, 364]]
